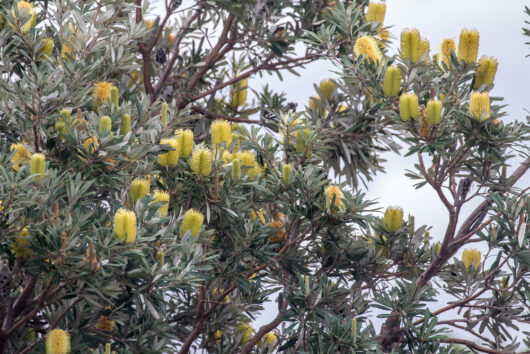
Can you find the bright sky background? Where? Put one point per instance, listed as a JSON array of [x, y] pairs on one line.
[[499, 24]]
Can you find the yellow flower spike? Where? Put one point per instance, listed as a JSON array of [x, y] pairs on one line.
[[392, 81], [185, 141], [376, 12], [468, 46], [479, 105], [21, 245], [91, 144], [163, 114], [286, 173], [227, 157], [334, 195], [192, 221], [149, 24], [101, 91], [105, 324], [47, 48], [314, 103], [138, 189], [239, 93], [66, 51], [107, 348], [125, 125], [236, 169], [368, 48], [485, 72], [246, 332], [425, 46], [114, 96], [217, 335], [105, 125], [221, 133], [259, 213], [125, 225], [38, 165], [411, 44], [216, 293], [408, 106], [327, 87], [57, 342], [393, 219], [434, 112], [306, 286], [161, 196], [383, 37], [160, 258], [278, 229], [20, 156], [201, 162], [255, 171], [270, 340], [65, 116], [471, 256], [248, 159], [170, 158], [354, 329], [25, 9], [448, 45]]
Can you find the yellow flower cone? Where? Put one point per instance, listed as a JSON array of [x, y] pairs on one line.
[[468, 46], [57, 342], [479, 105], [125, 225], [201, 162], [192, 221], [411, 44]]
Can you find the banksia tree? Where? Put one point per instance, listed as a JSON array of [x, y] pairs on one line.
[[155, 197]]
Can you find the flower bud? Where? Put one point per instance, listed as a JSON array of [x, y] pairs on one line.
[[170, 158], [408, 106], [393, 219], [21, 245], [105, 324], [306, 283], [21, 155], [218, 335], [163, 114], [448, 45], [278, 229], [125, 225], [38, 165], [60, 127], [327, 87], [239, 93], [163, 197], [185, 141], [434, 112], [376, 12], [286, 173], [411, 44], [107, 348], [354, 329], [436, 248], [192, 221], [270, 340], [57, 342], [314, 103], [468, 46], [479, 105], [65, 116], [471, 256], [125, 125], [392, 81], [236, 169], [138, 189], [91, 144], [201, 162], [221, 133], [485, 72], [334, 197], [367, 47], [115, 96], [47, 48], [259, 213], [105, 125], [160, 258], [246, 332]]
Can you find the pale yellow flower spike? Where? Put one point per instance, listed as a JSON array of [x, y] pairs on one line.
[[26, 9], [448, 45], [368, 48], [485, 72], [192, 221], [393, 219], [468, 46], [376, 12], [221, 133], [411, 44], [57, 342], [102, 90], [479, 105], [161, 196], [327, 87], [20, 156], [334, 194], [392, 81], [125, 224], [170, 158], [471, 256], [201, 162], [185, 141]]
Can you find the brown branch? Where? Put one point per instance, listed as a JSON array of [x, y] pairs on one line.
[[213, 115], [471, 345]]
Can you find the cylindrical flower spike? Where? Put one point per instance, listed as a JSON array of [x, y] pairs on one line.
[[163, 114], [479, 105], [25, 9], [38, 165], [314, 102], [201, 161], [65, 116], [47, 48], [170, 158], [185, 141], [425, 46], [21, 246], [306, 286], [246, 332], [125, 225], [107, 348], [393, 219], [160, 258], [354, 329], [471, 256], [468, 46], [485, 72], [236, 169], [192, 221], [286, 173], [102, 90], [138, 189], [57, 342], [334, 197], [411, 44], [221, 133], [434, 112], [327, 87], [448, 45], [368, 48], [392, 81], [376, 12], [105, 125], [270, 340], [21, 155], [239, 93], [114, 96], [408, 106], [163, 197], [125, 125]]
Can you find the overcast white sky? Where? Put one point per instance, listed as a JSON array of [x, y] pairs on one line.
[[499, 24]]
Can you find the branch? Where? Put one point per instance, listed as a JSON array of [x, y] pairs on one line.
[[470, 345], [213, 115]]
